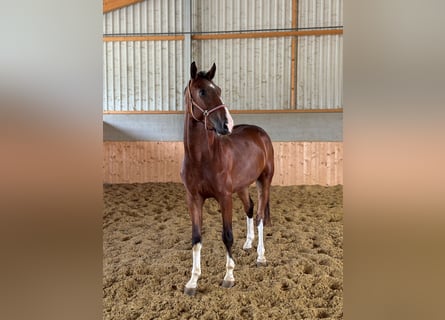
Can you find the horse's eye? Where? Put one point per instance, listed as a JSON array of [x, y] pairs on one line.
[[202, 92]]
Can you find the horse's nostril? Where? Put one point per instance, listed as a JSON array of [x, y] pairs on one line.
[[226, 128]]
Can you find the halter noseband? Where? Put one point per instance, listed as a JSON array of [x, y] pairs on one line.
[[205, 113]]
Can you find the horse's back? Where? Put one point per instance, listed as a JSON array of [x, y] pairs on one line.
[[248, 132], [239, 128]]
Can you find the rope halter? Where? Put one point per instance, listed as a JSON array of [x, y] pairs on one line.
[[205, 112]]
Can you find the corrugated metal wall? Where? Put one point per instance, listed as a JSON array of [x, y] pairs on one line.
[[254, 74], [151, 16], [234, 15], [320, 58], [143, 75], [320, 72], [320, 13], [250, 77]]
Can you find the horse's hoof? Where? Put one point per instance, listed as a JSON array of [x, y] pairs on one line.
[[227, 284], [261, 263], [190, 291], [247, 245]]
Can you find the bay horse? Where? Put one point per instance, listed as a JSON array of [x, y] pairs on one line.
[[221, 159]]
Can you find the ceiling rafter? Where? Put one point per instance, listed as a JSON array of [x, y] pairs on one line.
[[110, 5]]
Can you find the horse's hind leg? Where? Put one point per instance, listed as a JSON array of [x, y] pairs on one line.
[[248, 209], [227, 237], [263, 214]]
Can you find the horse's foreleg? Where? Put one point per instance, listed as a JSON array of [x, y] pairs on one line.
[[195, 210], [229, 279], [248, 209], [227, 237], [192, 284]]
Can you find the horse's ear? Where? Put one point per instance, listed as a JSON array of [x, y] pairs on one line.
[[211, 73], [193, 70]]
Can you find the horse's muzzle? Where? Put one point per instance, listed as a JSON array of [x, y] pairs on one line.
[[222, 129], [223, 125]]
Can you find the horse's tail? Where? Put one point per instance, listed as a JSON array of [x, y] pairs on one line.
[[267, 221]]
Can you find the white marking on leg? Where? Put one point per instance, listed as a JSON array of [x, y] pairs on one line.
[[230, 266], [196, 270], [250, 234], [260, 249]]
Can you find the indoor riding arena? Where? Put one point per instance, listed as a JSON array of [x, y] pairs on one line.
[[278, 67]]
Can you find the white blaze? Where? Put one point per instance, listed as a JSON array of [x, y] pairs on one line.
[[229, 120]]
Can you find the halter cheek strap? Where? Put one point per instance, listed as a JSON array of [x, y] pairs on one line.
[[205, 113]]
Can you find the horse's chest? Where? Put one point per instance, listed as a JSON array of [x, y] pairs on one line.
[[203, 178]]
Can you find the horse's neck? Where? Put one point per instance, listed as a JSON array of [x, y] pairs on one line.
[[198, 142]]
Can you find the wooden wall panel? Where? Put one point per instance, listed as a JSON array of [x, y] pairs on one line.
[[296, 163]]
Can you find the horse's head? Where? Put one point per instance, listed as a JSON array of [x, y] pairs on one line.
[[204, 101]]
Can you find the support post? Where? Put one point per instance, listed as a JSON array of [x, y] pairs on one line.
[[187, 46], [293, 70]]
